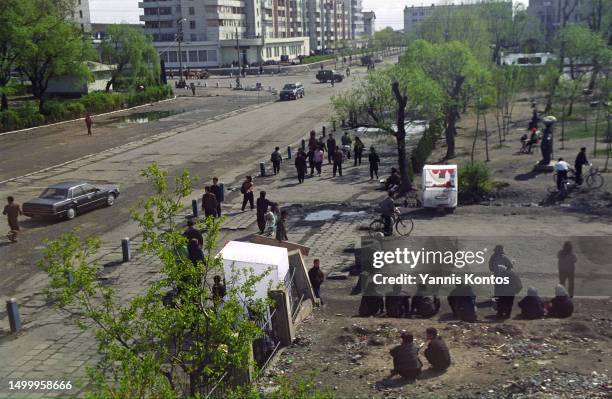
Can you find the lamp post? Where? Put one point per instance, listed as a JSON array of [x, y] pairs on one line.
[[179, 38], [239, 63]]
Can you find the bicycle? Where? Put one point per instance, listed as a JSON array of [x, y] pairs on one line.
[[594, 179], [403, 227], [566, 186]]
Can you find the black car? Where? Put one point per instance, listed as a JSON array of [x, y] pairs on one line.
[[66, 200], [292, 91], [326, 75]]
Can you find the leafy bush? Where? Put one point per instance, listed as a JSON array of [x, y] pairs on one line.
[[10, 120], [474, 182], [420, 153]]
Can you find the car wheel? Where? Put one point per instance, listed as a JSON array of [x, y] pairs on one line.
[[71, 213], [110, 200]]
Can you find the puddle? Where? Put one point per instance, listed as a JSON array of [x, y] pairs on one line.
[[146, 117], [320, 216]]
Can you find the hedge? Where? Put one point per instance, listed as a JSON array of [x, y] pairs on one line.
[[61, 110]]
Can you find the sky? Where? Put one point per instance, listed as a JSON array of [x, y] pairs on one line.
[[388, 12]]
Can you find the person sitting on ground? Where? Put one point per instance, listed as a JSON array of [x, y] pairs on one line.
[[532, 306], [424, 305], [397, 302], [561, 306], [371, 302], [192, 233], [524, 138], [218, 288], [393, 180], [406, 360], [462, 301], [437, 353]]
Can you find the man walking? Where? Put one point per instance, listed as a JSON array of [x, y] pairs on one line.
[[209, 203], [374, 161], [581, 160], [276, 160], [12, 210], [281, 227], [300, 165], [216, 190], [318, 160], [331, 148], [88, 123], [316, 277], [338, 159], [247, 192], [346, 142], [262, 209], [193, 234], [358, 150]]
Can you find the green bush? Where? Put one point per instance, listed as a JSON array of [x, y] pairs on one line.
[[420, 153], [75, 110], [30, 116], [475, 182], [10, 120], [54, 111]]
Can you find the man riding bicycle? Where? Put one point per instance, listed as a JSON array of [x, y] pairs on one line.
[[387, 210], [562, 168]]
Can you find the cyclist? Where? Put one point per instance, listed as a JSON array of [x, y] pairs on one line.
[[387, 210], [562, 168], [581, 160]]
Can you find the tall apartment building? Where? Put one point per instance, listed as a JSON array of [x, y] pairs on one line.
[[415, 15], [211, 29], [369, 23], [548, 12], [81, 15], [356, 17]]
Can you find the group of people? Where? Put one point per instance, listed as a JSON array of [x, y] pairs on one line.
[[270, 220], [406, 361]]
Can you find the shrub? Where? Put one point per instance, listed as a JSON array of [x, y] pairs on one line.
[[10, 120], [54, 111], [474, 182], [75, 109], [30, 116]]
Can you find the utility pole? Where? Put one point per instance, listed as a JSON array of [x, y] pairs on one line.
[[179, 22], [239, 63]]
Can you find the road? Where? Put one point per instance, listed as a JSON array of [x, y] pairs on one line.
[[117, 153]]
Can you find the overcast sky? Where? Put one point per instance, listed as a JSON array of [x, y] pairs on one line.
[[388, 12]]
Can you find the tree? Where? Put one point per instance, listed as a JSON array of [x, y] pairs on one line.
[[175, 339], [11, 28], [131, 52], [508, 81], [51, 46]]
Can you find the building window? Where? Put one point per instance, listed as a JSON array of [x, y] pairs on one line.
[[193, 56], [202, 56], [164, 56], [172, 56], [212, 55], [191, 11], [192, 24], [184, 56]]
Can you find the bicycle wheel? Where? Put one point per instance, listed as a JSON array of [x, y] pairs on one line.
[[377, 226], [404, 227], [595, 180], [554, 176]]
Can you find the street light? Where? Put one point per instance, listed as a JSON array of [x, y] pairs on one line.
[[179, 38]]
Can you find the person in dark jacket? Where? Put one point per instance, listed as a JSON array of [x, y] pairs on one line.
[[276, 158], [561, 306], [358, 150], [424, 305], [393, 180], [194, 251], [193, 233], [406, 360], [217, 191], [505, 293], [532, 306], [437, 353], [499, 257], [581, 160], [567, 266], [281, 227], [316, 277], [247, 192], [331, 148], [338, 159], [397, 303], [374, 161], [218, 289], [262, 207], [462, 301], [209, 203], [300, 165], [312, 146], [371, 302]]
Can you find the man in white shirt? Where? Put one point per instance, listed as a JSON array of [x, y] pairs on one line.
[[561, 167]]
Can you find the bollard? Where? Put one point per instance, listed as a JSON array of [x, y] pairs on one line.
[[262, 169], [221, 192], [12, 308], [288, 152], [205, 85], [217, 85], [194, 208], [323, 131], [125, 249], [303, 145], [230, 85]]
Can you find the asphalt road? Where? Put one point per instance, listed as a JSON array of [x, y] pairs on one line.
[[229, 148]]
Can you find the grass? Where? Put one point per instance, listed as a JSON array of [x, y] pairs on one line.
[[317, 58]]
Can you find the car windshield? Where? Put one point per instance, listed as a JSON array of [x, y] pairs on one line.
[[54, 193], [289, 86]]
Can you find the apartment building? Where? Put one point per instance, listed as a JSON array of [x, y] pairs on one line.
[[81, 15], [216, 33], [356, 18], [369, 23]]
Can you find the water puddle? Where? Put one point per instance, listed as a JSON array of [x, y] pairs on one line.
[[146, 117], [328, 214]]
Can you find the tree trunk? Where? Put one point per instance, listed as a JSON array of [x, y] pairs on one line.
[[4, 102], [451, 132], [400, 137], [475, 136], [563, 127], [486, 132]]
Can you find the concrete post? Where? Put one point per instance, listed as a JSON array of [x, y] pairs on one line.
[[262, 169], [217, 85], [324, 131], [194, 208], [12, 308], [125, 249], [222, 192], [303, 145], [282, 320], [205, 84], [288, 152]]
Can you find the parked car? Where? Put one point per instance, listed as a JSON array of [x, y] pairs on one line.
[[292, 91], [326, 75], [66, 200]]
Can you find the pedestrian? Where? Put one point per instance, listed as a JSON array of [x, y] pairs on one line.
[[88, 122], [581, 160], [276, 159], [505, 293], [333, 80], [374, 161], [209, 203], [300, 165], [406, 360], [318, 160], [281, 227], [348, 72], [192, 233], [562, 168], [387, 210], [532, 306], [12, 210], [271, 218], [358, 150], [247, 192], [331, 148], [499, 258], [567, 266], [312, 146], [346, 141], [436, 353], [262, 208], [218, 289], [316, 277], [217, 191], [561, 306], [194, 252], [193, 88], [338, 159]]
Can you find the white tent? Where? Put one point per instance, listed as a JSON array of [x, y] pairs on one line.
[[239, 257]]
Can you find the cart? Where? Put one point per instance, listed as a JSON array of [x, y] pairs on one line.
[[440, 184]]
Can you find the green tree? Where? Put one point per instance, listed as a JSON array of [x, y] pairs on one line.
[[175, 340], [11, 30], [508, 81], [131, 52]]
